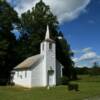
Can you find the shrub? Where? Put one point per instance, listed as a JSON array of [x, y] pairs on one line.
[[73, 86]]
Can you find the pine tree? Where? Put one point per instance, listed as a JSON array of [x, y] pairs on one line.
[[8, 17], [33, 31]]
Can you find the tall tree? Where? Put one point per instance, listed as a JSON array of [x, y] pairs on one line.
[[8, 17], [33, 31], [64, 55], [33, 28]]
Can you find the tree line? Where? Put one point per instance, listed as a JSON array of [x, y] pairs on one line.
[[94, 70], [31, 26]]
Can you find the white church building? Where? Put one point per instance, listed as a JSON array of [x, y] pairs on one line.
[[40, 70]]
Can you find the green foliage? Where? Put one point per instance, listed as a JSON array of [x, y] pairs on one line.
[[95, 70], [32, 27], [82, 71], [8, 17], [64, 55], [33, 32]]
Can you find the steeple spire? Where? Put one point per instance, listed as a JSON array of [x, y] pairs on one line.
[[47, 33]]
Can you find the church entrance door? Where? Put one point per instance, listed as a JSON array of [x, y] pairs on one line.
[[50, 77]]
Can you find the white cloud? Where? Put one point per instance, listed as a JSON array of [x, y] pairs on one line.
[[65, 10], [86, 50], [86, 57], [97, 59], [75, 59], [76, 51]]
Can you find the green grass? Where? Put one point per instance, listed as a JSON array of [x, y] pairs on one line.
[[89, 88]]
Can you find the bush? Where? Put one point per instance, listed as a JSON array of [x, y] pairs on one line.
[[73, 86]]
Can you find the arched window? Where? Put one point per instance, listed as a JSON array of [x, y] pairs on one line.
[[18, 74], [43, 46], [25, 74], [50, 45]]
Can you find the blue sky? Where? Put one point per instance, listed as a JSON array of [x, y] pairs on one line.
[[80, 23], [84, 33]]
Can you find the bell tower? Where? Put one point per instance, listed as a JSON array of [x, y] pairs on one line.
[[48, 50], [48, 45]]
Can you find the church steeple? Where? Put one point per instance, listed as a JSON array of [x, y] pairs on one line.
[[48, 51], [48, 43], [47, 36]]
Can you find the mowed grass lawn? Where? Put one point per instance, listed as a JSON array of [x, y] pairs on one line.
[[89, 90]]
